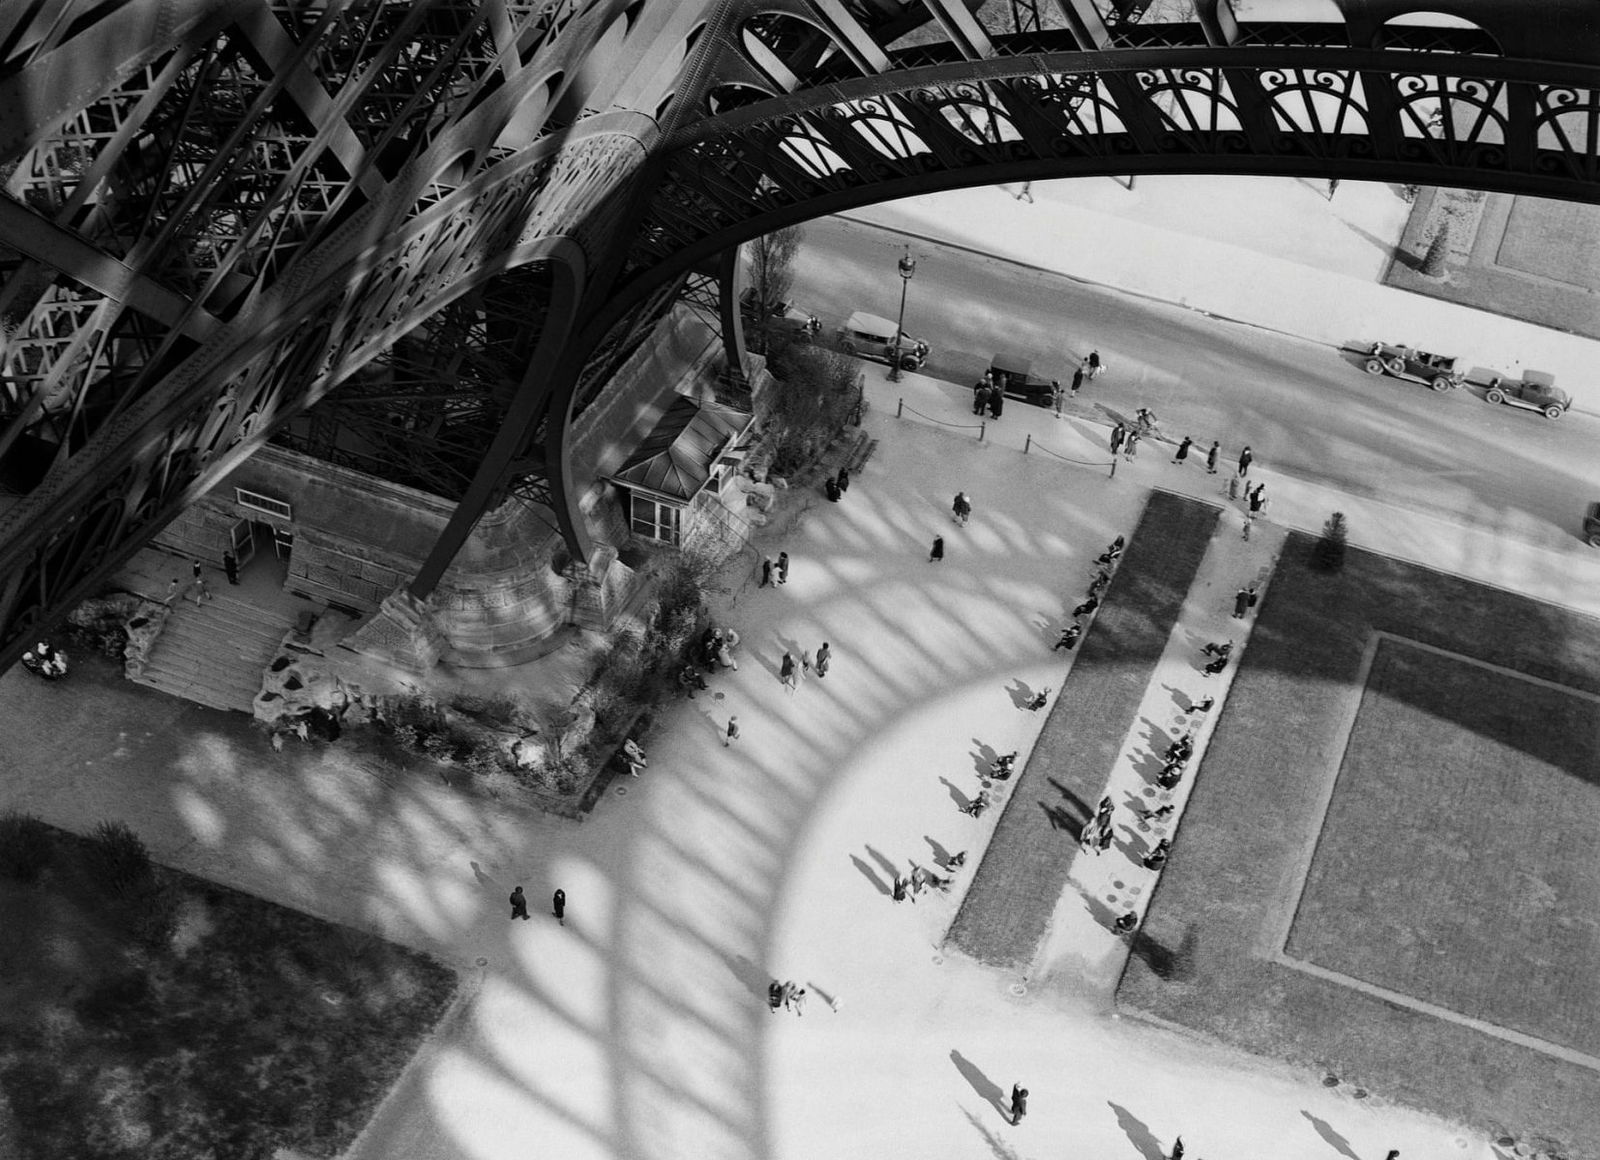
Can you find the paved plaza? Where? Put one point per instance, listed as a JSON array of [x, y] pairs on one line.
[[640, 1028]]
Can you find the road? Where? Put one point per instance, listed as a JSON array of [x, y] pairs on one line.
[[1304, 408]]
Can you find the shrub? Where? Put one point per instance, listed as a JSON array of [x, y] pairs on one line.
[[1438, 250], [1328, 553], [118, 859], [152, 913], [24, 846]]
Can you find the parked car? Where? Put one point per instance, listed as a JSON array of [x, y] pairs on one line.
[[1403, 362], [1018, 377], [781, 317], [868, 336], [1591, 525], [1534, 391]]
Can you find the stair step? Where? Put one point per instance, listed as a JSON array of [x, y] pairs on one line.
[[214, 653]]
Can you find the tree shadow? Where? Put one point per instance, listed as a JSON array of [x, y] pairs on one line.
[[1139, 1135], [1168, 963], [1334, 1140], [871, 876], [987, 1089], [1000, 1149]]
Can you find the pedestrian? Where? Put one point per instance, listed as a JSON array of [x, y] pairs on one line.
[[1118, 434], [725, 656], [201, 592], [1394, 1154], [830, 488], [1245, 459], [1202, 706], [805, 663], [689, 679], [1333, 187], [733, 731], [1104, 809], [172, 591], [1157, 858], [997, 398], [899, 892], [766, 573], [199, 573], [774, 996], [795, 1000], [1126, 923], [1086, 607], [1069, 638], [1258, 500], [787, 672], [558, 903], [230, 565], [937, 554], [519, 904], [1241, 603], [1102, 840], [1077, 380], [1019, 1103], [1233, 487], [843, 480], [1130, 446], [1038, 701], [1211, 457], [824, 659], [1056, 396], [1253, 595], [1183, 450], [980, 395], [783, 567], [1095, 365], [1177, 1150], [962, 508]]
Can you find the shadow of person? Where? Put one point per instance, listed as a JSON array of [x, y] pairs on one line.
[[884, 864], [1020, 693], [983, 757], [986, 1088], [940, 854], [1335, 1141], [1098, 910], [483, 879], [1167, 962], [956, 795], [998, 1147], [754, 979], [1138, 1134], [871, 876]]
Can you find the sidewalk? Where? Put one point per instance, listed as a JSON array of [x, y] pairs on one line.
[[1273, 252], [639, 1029]]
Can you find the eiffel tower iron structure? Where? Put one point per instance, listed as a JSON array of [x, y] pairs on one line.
[[415, 239]]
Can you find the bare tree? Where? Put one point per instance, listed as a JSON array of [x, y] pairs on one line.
[[771, 267]]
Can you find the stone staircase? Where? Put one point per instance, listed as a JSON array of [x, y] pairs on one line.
[[214, 652]]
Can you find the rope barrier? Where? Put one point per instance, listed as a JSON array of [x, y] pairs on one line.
[[1066, 458], [961, 426]]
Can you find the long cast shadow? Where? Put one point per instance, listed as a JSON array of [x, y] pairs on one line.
[[986, 1088], [871, 876], [1139, 1135], [1335, 1141], [997, 1146]]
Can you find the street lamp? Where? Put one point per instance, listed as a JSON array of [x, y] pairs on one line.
[[908, 267]]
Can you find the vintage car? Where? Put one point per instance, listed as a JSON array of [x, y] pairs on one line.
[[1534, 391], [1403, 362], [1591, 525], [868, 336], [1016, 373], [781, 318]]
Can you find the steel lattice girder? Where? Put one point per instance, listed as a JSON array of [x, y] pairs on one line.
[[1427, 118]]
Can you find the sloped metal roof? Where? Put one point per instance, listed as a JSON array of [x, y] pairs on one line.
[[676, 458]]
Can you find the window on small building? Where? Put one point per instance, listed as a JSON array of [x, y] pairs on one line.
[[654, 520]]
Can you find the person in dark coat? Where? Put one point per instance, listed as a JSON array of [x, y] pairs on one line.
[[783, 567], [1245, 459], [1183, 450], [1077, 381], [1211, 457], [843, 480], [786, 671], [937, 554], [519, 904], [1241, 603], [824, 659], [766, 572], [830, 488], [1019, 1103], [997, 399], [559, 904], [230, 565]]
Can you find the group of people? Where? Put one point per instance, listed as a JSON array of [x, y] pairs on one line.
[[791, 671], [836, 485], [786, 995], [714, 651], [776, 572], [921, 878], [46, 661], [1107, 563], [989, 392]]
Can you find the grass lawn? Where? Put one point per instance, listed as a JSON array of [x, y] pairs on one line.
[[1451, 870], [251, 1028], [1019, 881], [1453, 866]]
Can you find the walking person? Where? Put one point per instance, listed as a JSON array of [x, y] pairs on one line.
[[1241, 603], [558, 903], [795, 1000], [824, 659], [1130, 446], [962, 507], [230, 567], [980, 395], [1077, 380], [937, 554], [201, 592], [1211, 457], [786, 671], [1183, 451], [172, 592], [783, 567], [1056, 396], [519, 904], [1019, 1103], [997, 399], [733, 731], [1245, 459], [1118, 434], [843, 480], [766, 573], [1095, 365]]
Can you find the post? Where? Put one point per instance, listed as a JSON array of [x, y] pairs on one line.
[[900, 408], [982, 427], [907, 267], [1027, 443], [1113, 466]]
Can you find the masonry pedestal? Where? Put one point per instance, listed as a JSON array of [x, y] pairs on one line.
[[402, 632]]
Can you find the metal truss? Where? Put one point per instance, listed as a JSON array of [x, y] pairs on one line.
[[224, 221]]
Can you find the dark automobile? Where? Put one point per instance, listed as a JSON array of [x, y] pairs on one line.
[[781, 318], [1403, 362], [1534, 391], [1016, 373]]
